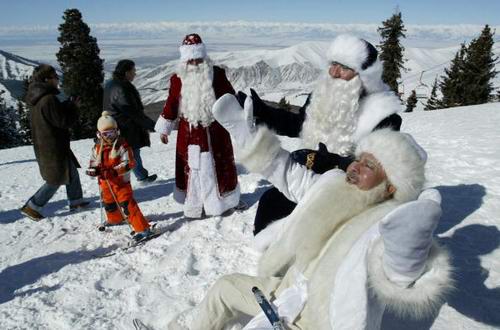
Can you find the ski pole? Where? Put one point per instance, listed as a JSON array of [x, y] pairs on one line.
[[124, 216], [268, 310], [101, 227]]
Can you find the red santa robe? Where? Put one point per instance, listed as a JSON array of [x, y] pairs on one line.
[[205, 171]]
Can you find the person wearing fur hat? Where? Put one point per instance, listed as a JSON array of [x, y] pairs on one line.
[[206, 180], [349, 101], [359, 241], [122, 100], [111, 161], [50, 123]]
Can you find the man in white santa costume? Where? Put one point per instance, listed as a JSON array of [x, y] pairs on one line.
[[358, 241], [349, 101], [205, 173]]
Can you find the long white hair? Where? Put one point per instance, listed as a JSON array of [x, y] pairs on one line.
[[197, 94], [332, 116]]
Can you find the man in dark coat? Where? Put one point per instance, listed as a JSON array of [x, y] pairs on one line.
[[349, 101], [50, 123], [123, 101]]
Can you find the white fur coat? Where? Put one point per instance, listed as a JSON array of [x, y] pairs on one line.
[[344, 270]]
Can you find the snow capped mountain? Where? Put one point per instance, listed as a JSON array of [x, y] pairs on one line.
[[292, 71], [13, 70], [15, 67]]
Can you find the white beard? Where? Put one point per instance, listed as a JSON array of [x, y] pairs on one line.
[[197, 93], [332, 115], [313, 222]]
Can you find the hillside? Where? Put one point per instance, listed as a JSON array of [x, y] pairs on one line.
[[51, 279]]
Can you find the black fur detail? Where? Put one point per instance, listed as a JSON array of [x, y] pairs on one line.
[[372, 55]]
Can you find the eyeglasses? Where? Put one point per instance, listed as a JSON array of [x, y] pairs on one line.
[[109, 134]]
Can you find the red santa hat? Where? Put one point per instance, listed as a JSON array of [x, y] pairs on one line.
[[192, 48]]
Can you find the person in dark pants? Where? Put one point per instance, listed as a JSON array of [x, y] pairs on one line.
[[122, 100], [349, 101], [50, 123]]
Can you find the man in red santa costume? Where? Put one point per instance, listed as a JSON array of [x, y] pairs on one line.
[[206, 180]]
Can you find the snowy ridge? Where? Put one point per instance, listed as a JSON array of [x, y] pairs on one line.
[[50, 278], [292, 71], [13, 70]]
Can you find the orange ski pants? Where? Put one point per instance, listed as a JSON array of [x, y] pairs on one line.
[[125, 198]]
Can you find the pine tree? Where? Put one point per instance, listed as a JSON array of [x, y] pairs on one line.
[[8, 131], [453, 85], [23, 113], [284, 104], [480, 69], [433, 102], [391, 50], [411, 101], [82, 69]]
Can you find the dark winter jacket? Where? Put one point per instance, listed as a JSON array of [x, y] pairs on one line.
[[123, 101], [50, 123]]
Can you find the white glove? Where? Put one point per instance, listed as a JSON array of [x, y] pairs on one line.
[[236, 120], [407, 235]]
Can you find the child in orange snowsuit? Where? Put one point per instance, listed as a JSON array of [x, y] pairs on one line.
[[111, 161]]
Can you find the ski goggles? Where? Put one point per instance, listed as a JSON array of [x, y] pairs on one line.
[[109, 134]]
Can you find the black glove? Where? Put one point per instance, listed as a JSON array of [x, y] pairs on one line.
[[241, 97], [93, 171], [259, 106], [321, 160]]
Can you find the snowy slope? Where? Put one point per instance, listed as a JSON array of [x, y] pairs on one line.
[[50, 278]]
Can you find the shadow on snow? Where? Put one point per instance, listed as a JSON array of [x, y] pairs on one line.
[[471, 296]]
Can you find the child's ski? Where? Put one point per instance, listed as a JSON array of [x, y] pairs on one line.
[[132, 244]]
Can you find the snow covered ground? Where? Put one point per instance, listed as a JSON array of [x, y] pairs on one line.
[[51, 279]]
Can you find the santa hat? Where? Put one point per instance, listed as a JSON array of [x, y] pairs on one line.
[[361, 56], [402, 158], [106, 122], [192, 48]]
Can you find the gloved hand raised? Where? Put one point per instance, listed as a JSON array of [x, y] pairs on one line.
[[236, 120], [407, 235]]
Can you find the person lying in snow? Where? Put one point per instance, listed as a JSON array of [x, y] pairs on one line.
[[357, 242], [111, 162]]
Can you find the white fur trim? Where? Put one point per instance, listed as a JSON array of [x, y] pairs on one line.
[[203, 190], [164, 126], [263, 148], [373, 109], [351, 51], [190, 52], [425, 296], [402, 159]]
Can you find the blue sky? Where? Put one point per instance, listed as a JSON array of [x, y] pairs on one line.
[[49, 12]]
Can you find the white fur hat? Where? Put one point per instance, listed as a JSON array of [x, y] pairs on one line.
[[362, 57], [192, 48], [106, 121], [402, 158]]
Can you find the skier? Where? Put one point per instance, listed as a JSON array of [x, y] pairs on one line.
[[50, 123], [350, 100], [206, 180], [111, 161]]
